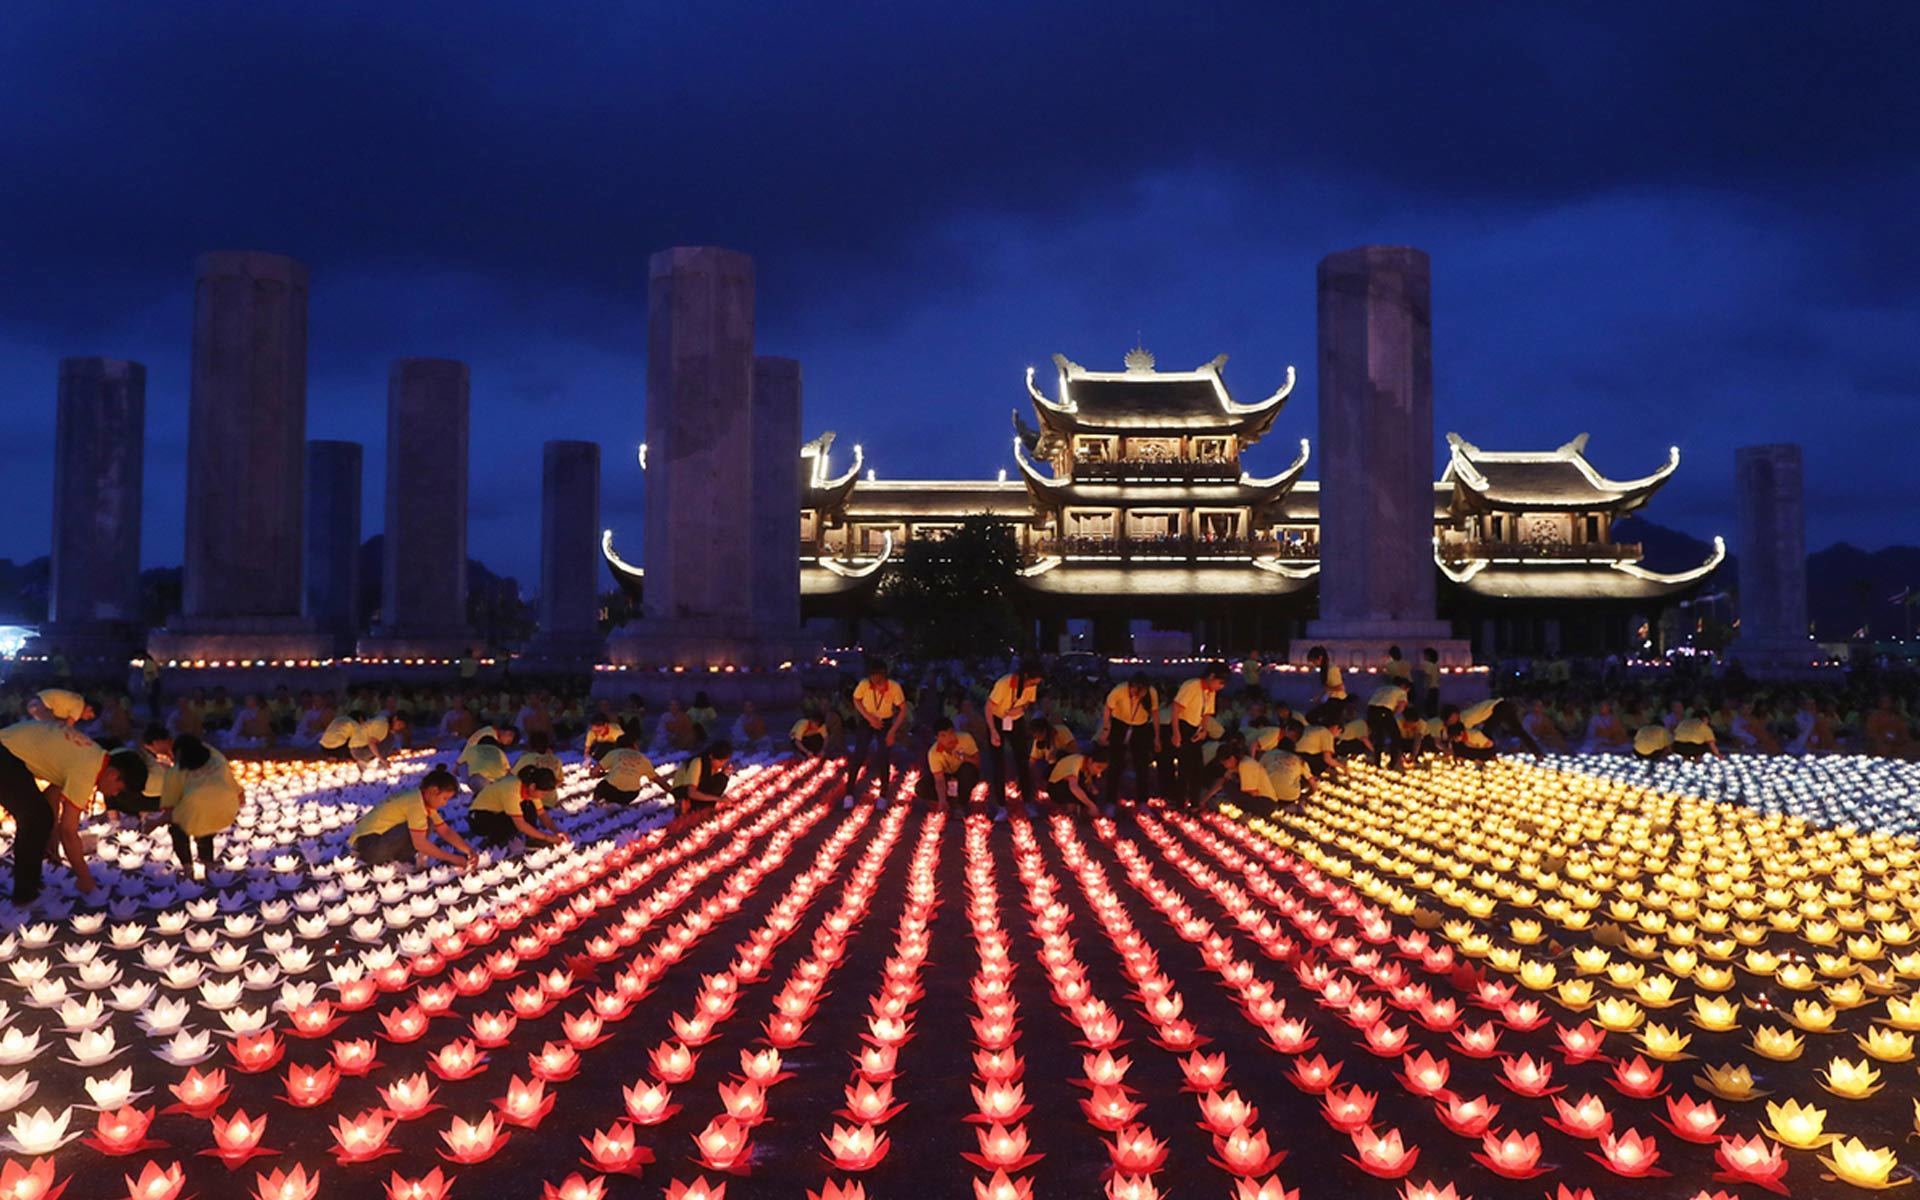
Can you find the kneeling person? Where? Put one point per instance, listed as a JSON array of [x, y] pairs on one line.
[[1076, 777], [201, 798], [516, 807], [396, 829], [701, 781], [953, 766], [624, 772]]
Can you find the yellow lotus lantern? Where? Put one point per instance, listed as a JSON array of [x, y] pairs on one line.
[[1715, 1013], [1848, 993], [1619, 1015], [1576, 994], [1850, 1079], [1802, 1127], [1525, 931], [1887, 1045], [1794, 976], [1713, 979], [1903, 1014], [1538, 974], [1663, 1043], [1852, 1161], [1780, 1045], [1813, 1016]]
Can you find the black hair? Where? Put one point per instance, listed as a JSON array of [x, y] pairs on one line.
[[1026, 668], [539, 778], [190, 753], [1098, 754], [540, 742], [700, 700], [1430, 654], [1040, 725], [942, 725], [720, 749], [1217, 671], [155, 732], [1317, 655], [439, 780], [1393, 652], [131, 768], [1449, 712], [1139, 679], [875, 665]]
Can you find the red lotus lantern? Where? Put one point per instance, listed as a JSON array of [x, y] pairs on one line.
[[745, 1102], [287, 1185], [237, 1138], [1349, 1110], [122, 1131], [1477, 1041], [155, 1183], [200, 1095], [855, 1148], [1132, 1187], [492, 1030], [699, 1189], [1691, 1122], [457, 1060], [575, 1187], [354, 1057], [723, 1145], [1512, 1157], [526, 1103], [1425, 1075], [1263, 1189], [673, 1062], [408, 1097], [1002, 1149], [1000, 1187], [616, 1150], [1314, 1075], [1204, 1073], [473, 1141], [1468, 1118], [1245, 1153], [314, 1020], [1581, 1042], [34, 1181], [850, 1190], [256, 1052], [1383, 1155], [876, 1062], [1526, 1076], [1586, 1118], [651, 1105], [1638, 1078], [870, 1104], [1135, 1151], [357, 994], [1629, 1155], [431, 1186], [557, 1061], [310, 1087], [1755, 1160], [362, 1138]]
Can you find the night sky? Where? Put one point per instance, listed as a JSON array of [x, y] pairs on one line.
[[1674, 223]]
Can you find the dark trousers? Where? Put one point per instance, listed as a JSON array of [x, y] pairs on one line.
[[1383, 730], [1690, 749], [967, 777], [868, 755], [32, 824], [1430, 702], [498, 826], [395, 845], [1505, 718], [184, 847], [1330, 713], [605, 792], [1135, 743], [133, 804], [1012, 757], [1476, 753], [1190, 764]]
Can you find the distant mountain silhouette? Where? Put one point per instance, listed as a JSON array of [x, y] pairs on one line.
[[1849, 589]]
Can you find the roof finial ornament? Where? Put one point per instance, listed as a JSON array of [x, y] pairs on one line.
[[1139, 359]]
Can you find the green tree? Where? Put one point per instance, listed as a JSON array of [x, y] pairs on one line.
[[956, 593]]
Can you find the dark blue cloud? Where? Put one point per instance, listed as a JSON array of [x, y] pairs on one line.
[[1667, 224]]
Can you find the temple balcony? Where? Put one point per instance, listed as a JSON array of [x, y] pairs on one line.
[[1468, 551], [1122, 470], [1173, 548]]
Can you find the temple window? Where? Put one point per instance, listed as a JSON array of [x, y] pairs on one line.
[[1090, 523], [1212, 449], [1593, 527], [1152, 449], [1093, 449], [1218, 526], [1152, 526]]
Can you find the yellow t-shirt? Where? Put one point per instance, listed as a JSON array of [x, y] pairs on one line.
[[1254, 780], [1400, 671], [1651, 739], [1127, 710], [1336, 683], [692, 774], [1354, 731], [1694, 732], [1261, 740], [946, 762], [1388, 696], [627, 769], [407, 808], [1430, 674], [883, 701], [59, 756], [1476, 714], [1285, 772], [488, 762], [1314, 739], [485, 731], [1067, 768], [1004, 704], [64, 705], [345, 731], [1193, 703], [804, 728], [204, 801], [550, 761], [503, 796]]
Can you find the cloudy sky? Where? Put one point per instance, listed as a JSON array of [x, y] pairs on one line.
[[1677, 223]]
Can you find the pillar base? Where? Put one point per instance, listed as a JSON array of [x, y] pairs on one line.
[[1782, 660], [443, 649], [562, 652], [89, 647], [1364, 643], [241, 642]]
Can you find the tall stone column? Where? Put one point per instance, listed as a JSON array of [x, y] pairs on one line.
[[1377, 574], [333, 539], [246, 464], [776, 496], [424, 561], [1773, 561], [570, 566], [93, 605]]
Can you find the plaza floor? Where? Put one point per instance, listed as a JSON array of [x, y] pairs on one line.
[[1512, 980]]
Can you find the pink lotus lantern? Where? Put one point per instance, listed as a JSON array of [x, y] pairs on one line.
[[200, 1094], [1132, 1187], [1638, 1079], [557, 1061], [287, 1185], [856, 1147], [435, 1001], [1002, 1149], [999, 1102], [471, 1142], [1427, 1191], [310, 1087], [1000, 1187], [237, 1138], [526, 1103], [408, 1097], [1698, 1123], [431, 1186], [745, 1102], [784, 1033], [870, 1104], [1629, 1155], [651, 1105], [1269, 1188], [1441, 1016], [839, 1191], [1204, 1073], [1314, 1075], [583, 1030], [1468, 1118], [34, 1181], [673, 1062], [1290, 1036], [362, 1138], [1245, 1153], [1586, 1118], [1135, 1151], [876, 1062], [473, 980], [1349, 1110], [616, 1150], [1110, 1108], [1425, 1075], [1527, 1077], [1580, 1042], [1512, 1157], [723, 1146], [575, 1187], [699, 1189], [457, 1060], [122, 1131], [257, 1052], [354, 1057], [1383, 1155], [357, 994], [155, 1183], [1756, 1160], [492, 1030]]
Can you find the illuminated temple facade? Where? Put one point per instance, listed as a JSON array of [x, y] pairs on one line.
[[1138, 497]]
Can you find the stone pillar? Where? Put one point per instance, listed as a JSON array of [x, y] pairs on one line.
[[1773, 637], [570, 565], [246, 464], [776, 496], [424, 560], [1377, 573], [93, 602], [333, 539], [708, 442]]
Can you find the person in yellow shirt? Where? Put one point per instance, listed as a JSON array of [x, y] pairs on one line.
[[60, 706], [1693, 737], [1384, 707], [953, 767], [700, 785], [1652, 742], [482, 763], [366, 739], [503, 736], [1009, 749], [1330, 707], [623, 771], [1193, 707], [201, 799], [1494, 715], [539, 753], [1075, 777], [1130, 725], [398, 828], [880, 712], [1354, 739], [1051, 739], [1398, 670], [1315, 744], [1286, 775], [73, 768], [1237, 776], [516, 806], [603, 733], [809, 735]]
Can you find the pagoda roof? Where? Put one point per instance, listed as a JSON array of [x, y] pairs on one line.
[[1537, 480], [1302, 503], [1248, 491], [1142, 400], [1537, 579], [911, 499], [825, 491]]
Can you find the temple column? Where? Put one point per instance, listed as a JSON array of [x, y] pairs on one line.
[[93, 602], [776, 496], [1377, 573], [333, 539], [570, 565], [1773, 638], [423, 610], [246, 457]]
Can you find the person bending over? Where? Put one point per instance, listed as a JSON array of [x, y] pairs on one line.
[[700, 785], [1354, 740], [1693, 737], [201, 798], [1130, 726], [1193, 707], [953, 767], [1009, 734], [402, 827], [73, 768], [1652, 742], [539, 753], [1384, 707], [809, 735], [483, 762], [1075, 778], [1495, 715], [623, 771], [516, 807], [880, 711]]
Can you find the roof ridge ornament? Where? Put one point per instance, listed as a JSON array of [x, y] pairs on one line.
[[1216, 364], [1139, 360], [1575, 448]]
